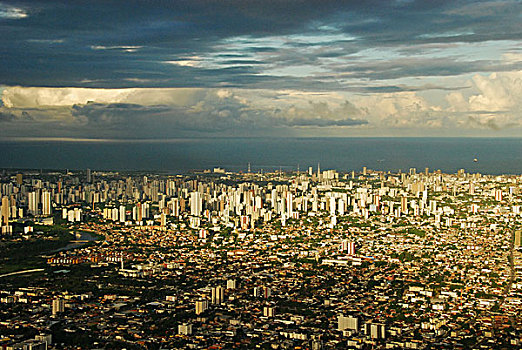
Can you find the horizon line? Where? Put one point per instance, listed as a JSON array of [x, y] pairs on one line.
[[198, 138]]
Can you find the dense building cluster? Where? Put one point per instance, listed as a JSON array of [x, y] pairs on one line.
[[295, 260]]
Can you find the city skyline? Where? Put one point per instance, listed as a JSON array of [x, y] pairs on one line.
[[318, 259], [268, 174], [120, 70]]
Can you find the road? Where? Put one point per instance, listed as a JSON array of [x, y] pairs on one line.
[[21, 272]]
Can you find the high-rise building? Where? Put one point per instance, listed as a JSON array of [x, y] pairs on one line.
[[33, 201], [196, 203], [289, 204], [163, 219], [375, 330], [185, 329], [30, 344], [351, 248], [268, 311], [174, 206], [4, 213], [46, 203], [332, 205], [77, 214], [89, 176], [201, 306], [404, 205], [19, 179], [231, 284], [341, 206], [347, 322], [317, 344], [122, 214], [47, 338], [58, 306], [139, 212], [218, 295], [518, 239], [13, 214]]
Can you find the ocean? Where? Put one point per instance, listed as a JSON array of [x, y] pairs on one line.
[[493, 155]]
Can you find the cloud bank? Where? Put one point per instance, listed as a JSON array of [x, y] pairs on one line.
[[491, 103], [120, 69]]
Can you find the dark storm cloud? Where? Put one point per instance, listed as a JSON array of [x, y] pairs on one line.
[[8, 115], [210, 116], [124, 43], [213, 115], [115, 115]]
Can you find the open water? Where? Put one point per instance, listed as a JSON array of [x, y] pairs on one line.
[[493, 155]]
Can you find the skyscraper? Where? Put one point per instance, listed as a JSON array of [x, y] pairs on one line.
[[290, 204], [139, 212], [46, 203], [518, 239], [4, 213], [218, 295], [375, 330], [404, 205], [58, 306], [196, 203], [122, 213], [201, 306], [32, 199], [268, 311]]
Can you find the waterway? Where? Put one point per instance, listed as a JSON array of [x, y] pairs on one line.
[[83, 239]]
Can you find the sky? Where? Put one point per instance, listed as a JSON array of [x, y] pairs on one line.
[[272, 68]]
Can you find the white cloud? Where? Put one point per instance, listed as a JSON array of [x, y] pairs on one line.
[[492, 102], [119, 48], [46, 41], [496, 102], [33, 97], [191, 61], [498, 92], [12, 12], [401, 109]]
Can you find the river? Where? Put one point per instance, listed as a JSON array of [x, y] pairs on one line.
[[85, 237]]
